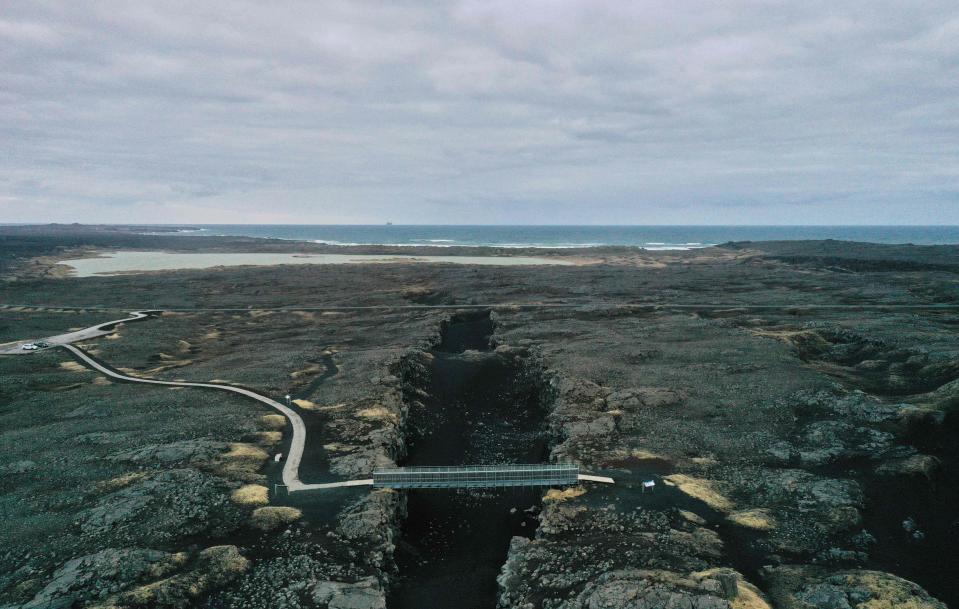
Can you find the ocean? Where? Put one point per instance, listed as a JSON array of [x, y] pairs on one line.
[[650, 237]]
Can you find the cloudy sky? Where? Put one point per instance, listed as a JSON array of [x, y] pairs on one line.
[[493, 112]]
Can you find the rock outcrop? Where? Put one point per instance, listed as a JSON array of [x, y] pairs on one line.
[[362, 594], [99, 575], [803, 587]]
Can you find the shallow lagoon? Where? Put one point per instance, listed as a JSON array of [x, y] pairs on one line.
[[132, 262]]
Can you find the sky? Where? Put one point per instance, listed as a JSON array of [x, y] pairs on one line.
[[491, 112]]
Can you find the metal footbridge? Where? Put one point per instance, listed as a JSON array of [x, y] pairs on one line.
[[481, 476]]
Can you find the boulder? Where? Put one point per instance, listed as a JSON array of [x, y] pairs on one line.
[[600, 426], [651, 397], [359, 463], [162, 507], [173, 452], [213, 568], [824, 442], [106, 572], [916, 466], [640, 589]]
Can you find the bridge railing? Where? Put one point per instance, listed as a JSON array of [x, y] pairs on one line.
[[475, 476]]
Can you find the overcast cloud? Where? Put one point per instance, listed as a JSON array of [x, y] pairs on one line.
[[480, 112]]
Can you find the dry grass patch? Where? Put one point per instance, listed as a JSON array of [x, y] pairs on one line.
[[267, 439], [272, 517], [242, 462], [638, 453], [251, 494], [183, 346], [115, 484], [275, 422], [626, 453], [73, 367], [704, 461], [704, 490], [804, 340], [377, 413], [114, 336], [242, 450], [748, 596], [758, 520], [310, 370], [693, 517], [554, 494], [212, 335], [339, 447], [305, 404]]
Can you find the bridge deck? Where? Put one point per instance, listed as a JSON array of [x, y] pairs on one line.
[[475, 476]]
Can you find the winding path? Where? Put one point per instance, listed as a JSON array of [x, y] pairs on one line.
[[291, 474]]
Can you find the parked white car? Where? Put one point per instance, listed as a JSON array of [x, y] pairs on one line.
[[29, 347]]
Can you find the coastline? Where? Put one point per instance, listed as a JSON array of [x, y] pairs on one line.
[[124, 262], [518, 237]]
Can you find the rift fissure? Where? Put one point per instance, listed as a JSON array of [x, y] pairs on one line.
[[470, 403]]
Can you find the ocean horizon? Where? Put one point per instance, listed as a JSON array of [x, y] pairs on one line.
[[653, 237]]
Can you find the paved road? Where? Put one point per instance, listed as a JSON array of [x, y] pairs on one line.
[[291, 476], [71, 337]]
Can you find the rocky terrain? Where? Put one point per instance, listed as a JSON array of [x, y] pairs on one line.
[[793, 402]]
